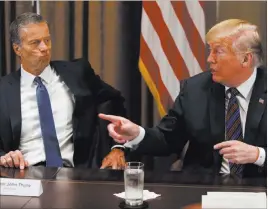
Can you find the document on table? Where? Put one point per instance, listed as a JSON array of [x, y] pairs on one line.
[[234, 200]]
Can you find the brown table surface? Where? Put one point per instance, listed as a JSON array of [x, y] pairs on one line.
[[87, 188]]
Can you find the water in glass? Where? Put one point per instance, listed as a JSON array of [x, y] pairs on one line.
[[134, 181]]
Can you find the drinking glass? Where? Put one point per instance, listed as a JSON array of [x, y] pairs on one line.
[[134, 183]]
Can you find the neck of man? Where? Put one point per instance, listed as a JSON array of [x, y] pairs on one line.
[[241, 78], [33, 70]]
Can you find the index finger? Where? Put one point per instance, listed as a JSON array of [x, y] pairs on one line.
[[111, 118], [21, 159], [223, 144]]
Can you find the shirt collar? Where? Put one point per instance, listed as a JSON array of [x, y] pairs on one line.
[[244, 88], [28, 78]]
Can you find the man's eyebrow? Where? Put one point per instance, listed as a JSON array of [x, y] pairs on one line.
[[38, 39], [217, 46], [33, 40]]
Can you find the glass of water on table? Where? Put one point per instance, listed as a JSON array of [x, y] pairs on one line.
[[134, 182]]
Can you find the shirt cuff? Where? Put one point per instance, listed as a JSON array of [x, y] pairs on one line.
[[118, 146], [261, 159], [133, 144]]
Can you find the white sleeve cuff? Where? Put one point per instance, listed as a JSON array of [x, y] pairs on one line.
[[133, 144], [261, 159], [118, 146]]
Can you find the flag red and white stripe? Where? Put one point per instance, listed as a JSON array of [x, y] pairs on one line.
[[172, 46]]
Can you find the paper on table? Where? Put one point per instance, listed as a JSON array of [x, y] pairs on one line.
[[234, 200], [146, 195], [228, 194]]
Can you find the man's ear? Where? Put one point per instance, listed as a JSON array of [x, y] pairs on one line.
[[17, 49], [248, 59]]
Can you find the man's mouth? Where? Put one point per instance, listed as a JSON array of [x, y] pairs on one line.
[[212, 68], [213, 71]]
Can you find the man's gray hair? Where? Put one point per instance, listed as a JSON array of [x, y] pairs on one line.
[[21, 21], [249, 41]]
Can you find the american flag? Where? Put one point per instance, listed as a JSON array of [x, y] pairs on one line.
[[172, 46]]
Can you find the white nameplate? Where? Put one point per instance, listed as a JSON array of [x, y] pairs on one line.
[[20, 187]]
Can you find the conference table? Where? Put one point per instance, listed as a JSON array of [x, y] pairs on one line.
[[94, 188]]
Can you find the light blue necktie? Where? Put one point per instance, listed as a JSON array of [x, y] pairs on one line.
[[51, 144]]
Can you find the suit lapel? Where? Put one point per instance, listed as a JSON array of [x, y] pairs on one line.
[[14, 105], [217, 118], [256, 106], [217, 112], [71, 75]]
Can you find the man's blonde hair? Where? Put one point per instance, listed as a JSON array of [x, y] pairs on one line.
[[243, 34]]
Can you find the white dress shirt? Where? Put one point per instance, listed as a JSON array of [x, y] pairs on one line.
[[245, 90], [62, 104]]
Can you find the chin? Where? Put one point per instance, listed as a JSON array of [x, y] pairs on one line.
[[216, 78], [44, 63]]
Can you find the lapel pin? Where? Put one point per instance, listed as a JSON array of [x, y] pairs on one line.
[[261, 101]]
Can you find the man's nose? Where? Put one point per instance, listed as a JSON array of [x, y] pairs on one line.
[[43, 46], [211, 58]]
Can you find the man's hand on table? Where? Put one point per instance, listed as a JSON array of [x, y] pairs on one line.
[[13, 159], [115, 159]]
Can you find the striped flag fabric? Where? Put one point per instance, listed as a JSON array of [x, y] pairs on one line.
[[172, 46]]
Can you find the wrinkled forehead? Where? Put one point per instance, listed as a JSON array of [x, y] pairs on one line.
[[225, 42], [34, 31]]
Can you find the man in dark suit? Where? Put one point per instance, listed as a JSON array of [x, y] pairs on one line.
[[49, 109], [222, 112]]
